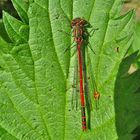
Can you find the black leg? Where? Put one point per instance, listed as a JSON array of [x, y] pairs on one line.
[[91, 47], [68, 48], [68, 34], [93, 31]]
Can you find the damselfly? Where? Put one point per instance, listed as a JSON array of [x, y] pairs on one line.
[[81, 41], [81, 35]]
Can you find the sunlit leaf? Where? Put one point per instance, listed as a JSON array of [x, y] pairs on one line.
[[36, 73]]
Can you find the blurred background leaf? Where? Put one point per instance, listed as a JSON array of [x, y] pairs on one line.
[[127, 100]]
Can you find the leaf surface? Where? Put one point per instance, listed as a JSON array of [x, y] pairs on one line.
[[36, 75]]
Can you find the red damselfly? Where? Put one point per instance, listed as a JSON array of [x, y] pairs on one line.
[[81, 39], [81, 35], [78, 33]]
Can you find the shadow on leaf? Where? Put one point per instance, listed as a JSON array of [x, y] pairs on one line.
[[127, 99]]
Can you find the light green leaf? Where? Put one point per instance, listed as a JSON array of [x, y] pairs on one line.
[[19, 103], [17, 31], [136, 39], [36, 75], [136, 43], [4, 135], [22, 7]]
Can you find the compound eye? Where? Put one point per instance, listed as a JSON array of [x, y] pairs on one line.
[[72, 23], [82, 21], [75, 23]]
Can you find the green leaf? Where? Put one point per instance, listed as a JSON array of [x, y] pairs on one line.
[[36, 75], [19, 103], [136, 43], [17, 31], [137, 35], [4, 135], [127, 99], [3, 33], [22, 7]]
